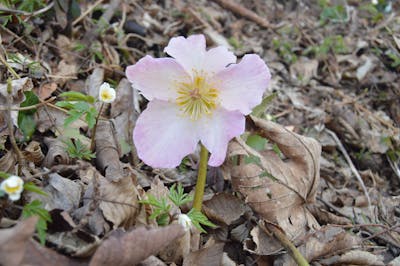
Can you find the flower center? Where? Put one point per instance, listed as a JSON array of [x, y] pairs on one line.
[[12, 189], [106, 95], [197, 98]]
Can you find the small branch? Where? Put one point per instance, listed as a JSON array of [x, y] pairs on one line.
[[28, 14], [9, 67], [87, 11], [201, 179], [277, 232], [350, 163], [29, 107], [244, 12]]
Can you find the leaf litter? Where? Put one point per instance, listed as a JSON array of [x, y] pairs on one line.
[[334, 73]]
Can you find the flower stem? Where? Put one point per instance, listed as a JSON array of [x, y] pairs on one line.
[[201, 179], [93, 141]]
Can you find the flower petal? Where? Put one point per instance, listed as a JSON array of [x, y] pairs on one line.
[[162, 136], [242, 85], [217, 130], [189, 52], [156, 77], [218, 59]]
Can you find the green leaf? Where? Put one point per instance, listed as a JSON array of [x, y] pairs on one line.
[[73, 116], [35, 208], [252, 159], [199, 219], [26, 119], [4, 175], [33, 188], [179, 197], [256, 142], [77, 96], [65, 104], [91, 117], [260, 109]]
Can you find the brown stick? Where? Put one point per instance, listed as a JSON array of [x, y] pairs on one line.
[[244, 12]]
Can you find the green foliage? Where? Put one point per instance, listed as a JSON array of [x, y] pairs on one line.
[[76, 149], [395, 58], [337, 13], [333, 44], [285, 50], [199, 219], [35, 208], [259, 110], [26, 119], [178, 196], [77, 96], [256, 142], [161, 209], [235, 43], [33, 188], [77, 110]]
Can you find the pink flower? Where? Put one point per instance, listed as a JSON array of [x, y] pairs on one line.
[[197, 95]]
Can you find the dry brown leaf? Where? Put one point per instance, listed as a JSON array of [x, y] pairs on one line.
[[176, 251], [303, 70], [93, 82], [359, 257], [56, 154], [8, 161], [46, 90], [107, 152], [65, 71], [327, 241], [119, 201], [130, 248], [17, 248], [33, 153], [224, 208], [210, 256], [261, 244], [279, 189]]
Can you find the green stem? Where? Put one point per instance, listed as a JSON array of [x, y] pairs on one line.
[[93, 140], [201, 179]]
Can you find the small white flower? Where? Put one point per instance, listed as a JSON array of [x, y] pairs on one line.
[[13, 186], [374, 2], [185, 221], [106, 93]]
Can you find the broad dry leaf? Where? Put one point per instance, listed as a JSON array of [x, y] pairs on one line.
[[210, 256], [260, 243], [46, 90], [224, 208], [278, 189], [56, 154], [119, 201], [360, 257], [33, 153], [8, 161], [94, 81], [107, 151], [130, 248]]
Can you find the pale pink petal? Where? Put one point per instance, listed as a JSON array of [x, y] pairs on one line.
[[217, 130], [242, 85], [189, 52], [156, 77], [217, 59], [162, 136]]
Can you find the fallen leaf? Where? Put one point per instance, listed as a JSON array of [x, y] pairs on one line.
[[33, 153], [210, 256], [274, 188], [56, 154], [224, 208], [46, 90], [130, 248]]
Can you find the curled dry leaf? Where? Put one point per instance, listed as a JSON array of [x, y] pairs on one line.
[[224, 208], [107, 151], [56, 154], [8, 161], [278, 189], [33, 153], [261, 244], [130, 248]]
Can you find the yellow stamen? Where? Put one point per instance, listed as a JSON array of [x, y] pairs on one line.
[[106, 95], [11, 190], [197, 98]]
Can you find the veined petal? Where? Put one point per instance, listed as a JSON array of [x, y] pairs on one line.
[[156, 77], [162, 136], [217, 130], [242, 85], [217, 59], [189, 52]]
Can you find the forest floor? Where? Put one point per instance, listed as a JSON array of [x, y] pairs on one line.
[[335, 78]]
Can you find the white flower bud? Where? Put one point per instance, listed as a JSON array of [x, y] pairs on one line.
[[13, 186], [185, 221], [106, 93]]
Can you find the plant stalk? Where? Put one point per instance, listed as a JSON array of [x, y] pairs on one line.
[[201, 179], [93, 140]]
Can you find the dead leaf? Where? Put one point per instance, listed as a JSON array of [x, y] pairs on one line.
[[108, 152], [33, 153], [210, 256], [65, 71], [119, 201], [176, 251], [93, 82], [56, 154], [130, 248], [224, 208], [279, 189], [303, 70], [46, 90], [7, 162], [261, 244]]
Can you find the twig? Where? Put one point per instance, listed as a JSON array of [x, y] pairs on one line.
[[87, 11], [394, 166], [20, 156], [29, 107], [244, 12], [350, 163], [9, 67], [28, 14], [277, 232]]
